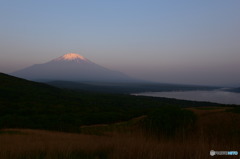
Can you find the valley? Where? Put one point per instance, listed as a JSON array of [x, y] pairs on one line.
[[42, 121], [123, 79]]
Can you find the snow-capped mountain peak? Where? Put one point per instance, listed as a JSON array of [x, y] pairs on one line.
[[70, 67], [71, 56]]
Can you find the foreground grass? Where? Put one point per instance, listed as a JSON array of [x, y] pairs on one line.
[[215, 129]]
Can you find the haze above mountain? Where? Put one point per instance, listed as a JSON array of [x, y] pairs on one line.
[[71, 67]]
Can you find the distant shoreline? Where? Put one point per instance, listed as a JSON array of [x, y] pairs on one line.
[[216, 96]]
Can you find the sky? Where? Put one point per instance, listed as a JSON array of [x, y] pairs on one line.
[[167, 41]]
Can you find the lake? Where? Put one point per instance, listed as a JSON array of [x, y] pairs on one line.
[[216, 96]]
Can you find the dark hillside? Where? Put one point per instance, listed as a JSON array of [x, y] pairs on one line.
[[17, 89], [26, 104]]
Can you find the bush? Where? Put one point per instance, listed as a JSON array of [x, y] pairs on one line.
[[169, 120]]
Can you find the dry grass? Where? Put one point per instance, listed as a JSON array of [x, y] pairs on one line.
[[215, 129]]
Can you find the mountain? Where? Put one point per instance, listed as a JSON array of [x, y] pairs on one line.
[[71, 67]]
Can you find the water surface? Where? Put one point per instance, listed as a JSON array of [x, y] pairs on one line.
[[217, 96]]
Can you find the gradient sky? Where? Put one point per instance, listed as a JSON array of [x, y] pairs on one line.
[[195, 42]]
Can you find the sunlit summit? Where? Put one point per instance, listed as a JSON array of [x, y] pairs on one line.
[[72, 56]]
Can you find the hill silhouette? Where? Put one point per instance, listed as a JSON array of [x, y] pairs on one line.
[[27, 104]]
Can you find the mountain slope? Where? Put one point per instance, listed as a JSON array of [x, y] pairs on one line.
[[26, 104], [17, 89], [70, 67]]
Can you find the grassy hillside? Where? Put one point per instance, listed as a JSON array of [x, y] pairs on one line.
[[26, 104], [215, 129]]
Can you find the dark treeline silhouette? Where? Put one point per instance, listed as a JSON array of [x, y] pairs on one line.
[[27, 104]]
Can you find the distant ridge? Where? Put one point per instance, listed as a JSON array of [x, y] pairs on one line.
[[71, 67]]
